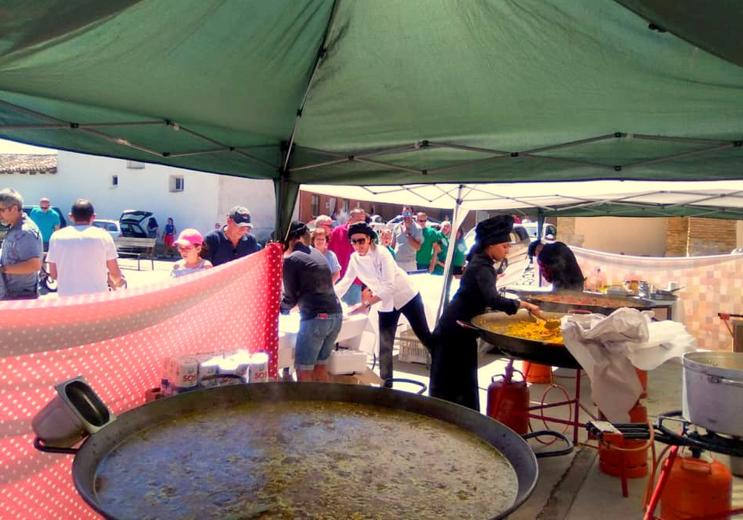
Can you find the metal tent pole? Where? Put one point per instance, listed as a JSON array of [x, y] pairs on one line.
[[458, 216]]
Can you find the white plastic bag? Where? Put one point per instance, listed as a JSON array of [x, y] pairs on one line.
[[610, 347]]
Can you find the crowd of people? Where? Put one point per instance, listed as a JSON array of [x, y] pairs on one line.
[[83, 258], [323, 266]]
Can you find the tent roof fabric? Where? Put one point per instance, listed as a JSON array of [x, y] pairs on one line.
[[383, 92], [721, 199], [712, 26]]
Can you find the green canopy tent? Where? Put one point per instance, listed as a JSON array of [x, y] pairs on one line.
[[380, 91]]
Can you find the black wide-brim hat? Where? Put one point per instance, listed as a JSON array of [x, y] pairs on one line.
[[495, 230], [362, 228]]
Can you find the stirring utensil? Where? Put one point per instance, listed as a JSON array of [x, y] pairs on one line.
[[548, 324]]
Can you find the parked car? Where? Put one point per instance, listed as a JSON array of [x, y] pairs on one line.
[[112, 226], [531, 229], [133, 223], [55, 209], [519, 235], [3, 231]]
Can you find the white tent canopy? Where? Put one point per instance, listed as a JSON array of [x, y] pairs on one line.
[[655, 198]]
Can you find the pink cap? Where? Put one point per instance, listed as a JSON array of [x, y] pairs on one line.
[[189, 237]]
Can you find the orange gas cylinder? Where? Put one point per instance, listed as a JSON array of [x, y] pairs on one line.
[[696, 488], [643, 376], [635, 462], [538, 374], [508, 401]]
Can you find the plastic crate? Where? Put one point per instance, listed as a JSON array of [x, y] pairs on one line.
[[411, 350]]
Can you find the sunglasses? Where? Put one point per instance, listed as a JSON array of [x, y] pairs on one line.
[[355, 241]]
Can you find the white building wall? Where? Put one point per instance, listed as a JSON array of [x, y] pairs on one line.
[[256, 195], [205, 200]]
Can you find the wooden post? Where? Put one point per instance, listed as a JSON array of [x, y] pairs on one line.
[[737, 335]]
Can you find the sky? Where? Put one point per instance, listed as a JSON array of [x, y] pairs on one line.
[[11, 147]]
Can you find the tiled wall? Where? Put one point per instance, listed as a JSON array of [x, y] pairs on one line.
[[711, 284]]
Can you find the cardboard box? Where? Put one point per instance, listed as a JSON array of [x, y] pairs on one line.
[[362, 378]]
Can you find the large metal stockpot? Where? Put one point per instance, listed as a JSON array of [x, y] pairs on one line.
[[713, 391]]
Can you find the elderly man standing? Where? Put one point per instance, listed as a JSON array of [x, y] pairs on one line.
[[325, 222], [21, 252], [233, 240], [46, 219], [340, 244], [82, 256], [408, 239]]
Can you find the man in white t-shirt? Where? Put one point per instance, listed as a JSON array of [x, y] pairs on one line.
[[82, 256]]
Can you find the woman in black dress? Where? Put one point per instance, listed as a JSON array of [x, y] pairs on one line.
[[454, 357]]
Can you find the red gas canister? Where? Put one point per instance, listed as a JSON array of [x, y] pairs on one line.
[[631, 458], [696, 488], [536, 373], [508, 401]]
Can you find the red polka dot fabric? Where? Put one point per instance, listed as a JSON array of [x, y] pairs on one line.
[[117, 341]]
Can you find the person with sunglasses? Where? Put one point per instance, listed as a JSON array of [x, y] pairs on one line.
[[454, 356], [389, 286]]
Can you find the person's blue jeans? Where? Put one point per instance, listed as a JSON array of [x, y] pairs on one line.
[[316, 339], [353, 295]]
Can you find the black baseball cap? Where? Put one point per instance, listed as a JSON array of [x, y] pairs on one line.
[[240, 216]]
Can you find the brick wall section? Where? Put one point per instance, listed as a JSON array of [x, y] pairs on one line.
[[709, 236], [566, 231], [677, 236], [387, 211]]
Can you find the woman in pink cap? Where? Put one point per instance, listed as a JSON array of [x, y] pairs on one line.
[[189, 244]]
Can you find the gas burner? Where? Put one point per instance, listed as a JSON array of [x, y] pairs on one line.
[[672, 428]]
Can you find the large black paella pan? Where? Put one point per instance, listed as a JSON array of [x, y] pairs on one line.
[[497, 329], [566, 301], [310, 450]]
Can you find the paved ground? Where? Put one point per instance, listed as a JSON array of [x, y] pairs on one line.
[[569, 487]]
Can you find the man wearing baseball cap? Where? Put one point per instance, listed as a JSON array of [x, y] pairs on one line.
[[233, 240]]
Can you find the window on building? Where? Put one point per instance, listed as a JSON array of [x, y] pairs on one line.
[[176, 183], [114, 181], [345, 206], [134, 165], [315, 205]]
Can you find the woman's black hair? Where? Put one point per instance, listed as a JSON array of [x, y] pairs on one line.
[[297, 230], [531, 251], [559, 266]]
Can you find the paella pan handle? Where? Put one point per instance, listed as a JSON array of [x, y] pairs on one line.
[[39, 445], [467, 325], [422, 386], [553, 453]]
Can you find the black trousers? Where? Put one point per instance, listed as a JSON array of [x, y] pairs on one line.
[[454, 367], [416, 315]]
